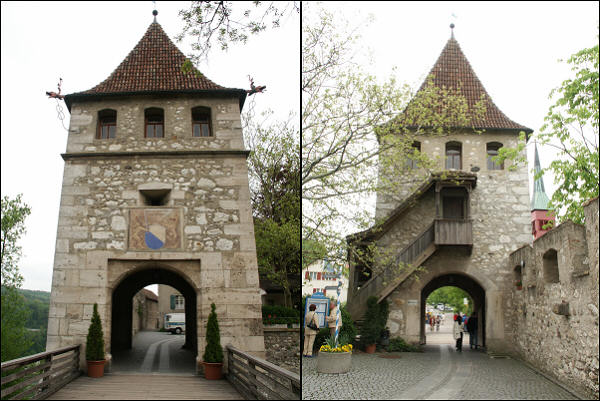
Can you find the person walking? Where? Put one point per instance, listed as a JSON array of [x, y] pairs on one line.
[[309, 333], [332, 317], [472, 328], [458, 332]]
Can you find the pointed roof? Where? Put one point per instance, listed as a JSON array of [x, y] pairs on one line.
[[453, 70], [540, 200], [154, 66]]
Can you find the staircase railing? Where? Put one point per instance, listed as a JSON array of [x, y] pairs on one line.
[[407, 256]]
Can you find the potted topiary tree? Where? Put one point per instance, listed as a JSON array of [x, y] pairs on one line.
[[371, 328], [94, 350], [213, 353]]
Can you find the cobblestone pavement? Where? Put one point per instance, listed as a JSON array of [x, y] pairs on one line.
[[438, 373], [155, 352]]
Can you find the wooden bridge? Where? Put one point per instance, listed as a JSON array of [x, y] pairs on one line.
[[55, 375]]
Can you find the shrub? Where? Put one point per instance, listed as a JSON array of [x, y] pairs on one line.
[[397, 344], [275, 314], [371, 330], [213, 353], [94, 350]]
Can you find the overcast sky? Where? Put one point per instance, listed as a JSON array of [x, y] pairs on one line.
[[83, 43], [513, 48]]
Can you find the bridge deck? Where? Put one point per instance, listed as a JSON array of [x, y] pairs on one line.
[[147, 387]]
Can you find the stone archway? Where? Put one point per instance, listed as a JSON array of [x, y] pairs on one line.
[[122, 304], [466, 283]]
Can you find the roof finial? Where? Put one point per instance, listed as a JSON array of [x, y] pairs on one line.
[[452, 30], [154, 12]]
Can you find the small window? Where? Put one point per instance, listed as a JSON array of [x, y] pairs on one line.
[[518, 276], [155, 197], [201, 122], [416, 149], [107, 124], [453, 156], [179, 302], [550, 261], [154, 123], [492, 150]]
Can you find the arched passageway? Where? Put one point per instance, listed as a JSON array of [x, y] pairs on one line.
[[464, 282], [122, 304]]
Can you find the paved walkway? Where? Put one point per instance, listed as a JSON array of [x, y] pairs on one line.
[[156, 352], [438, 373], [146, 387]]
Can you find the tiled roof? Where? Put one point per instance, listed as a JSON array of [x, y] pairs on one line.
[[539, 200], [452, 70], [154, 65], [149, 294]]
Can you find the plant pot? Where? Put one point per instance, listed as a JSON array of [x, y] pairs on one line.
[[334, 362], [370, 348], [519, 287], [95, 368], [213, 371]]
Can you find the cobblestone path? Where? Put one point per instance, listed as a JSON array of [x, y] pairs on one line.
[[438, 373]]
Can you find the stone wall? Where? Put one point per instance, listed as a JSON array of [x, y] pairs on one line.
[[562, 343], [282, 347], [206, 218]]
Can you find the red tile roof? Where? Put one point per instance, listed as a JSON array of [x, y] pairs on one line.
[[154, 65], [452, 70]]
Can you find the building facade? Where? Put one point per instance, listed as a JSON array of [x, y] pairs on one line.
[[321, 276], [155, 191], [169, 301]]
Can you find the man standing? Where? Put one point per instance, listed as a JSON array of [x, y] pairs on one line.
[[332, 317], [472, 328]]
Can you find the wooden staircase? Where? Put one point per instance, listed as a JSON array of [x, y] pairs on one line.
[[382, 284]]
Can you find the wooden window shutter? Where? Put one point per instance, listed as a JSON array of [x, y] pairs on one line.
[[172, 301], [307, 276], [318, 276]]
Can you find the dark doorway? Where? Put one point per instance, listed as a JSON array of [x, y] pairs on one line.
[[122, 304], [466, 283]]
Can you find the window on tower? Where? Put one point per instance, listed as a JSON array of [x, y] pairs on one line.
[[201, 122], [107, 124], [414, 151], [155, 123], [453, 156], [492, 150]]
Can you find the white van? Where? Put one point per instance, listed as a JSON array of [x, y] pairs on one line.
[[175, 322]]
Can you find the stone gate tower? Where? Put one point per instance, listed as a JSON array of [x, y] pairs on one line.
[[458, 222], [155, 190]]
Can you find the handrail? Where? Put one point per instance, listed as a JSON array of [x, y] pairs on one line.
[[37, 376], [399, 257], [256, 378]]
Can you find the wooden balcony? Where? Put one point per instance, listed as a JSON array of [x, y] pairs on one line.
[[453, 232]]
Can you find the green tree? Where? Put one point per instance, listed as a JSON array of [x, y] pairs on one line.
[[571, 127], [213, 352], [274, 171], [15, 339], [211, 22], [94, 350], [452, 296]]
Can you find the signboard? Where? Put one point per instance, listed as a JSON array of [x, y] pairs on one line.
[[322, 304], [413, 302]]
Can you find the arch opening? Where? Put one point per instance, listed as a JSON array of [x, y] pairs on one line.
[[476, 294], [121, 339]]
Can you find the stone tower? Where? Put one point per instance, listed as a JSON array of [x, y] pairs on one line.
[[539, 203], [458, 223], [155, 190]]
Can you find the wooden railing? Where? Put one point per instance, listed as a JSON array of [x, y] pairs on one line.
[[257, 379], [453, 232], [408, 255], [37, 376]]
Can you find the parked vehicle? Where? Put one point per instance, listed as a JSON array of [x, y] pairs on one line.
[[175, 322]]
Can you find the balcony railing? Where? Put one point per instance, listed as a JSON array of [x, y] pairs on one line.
[[453, 232]]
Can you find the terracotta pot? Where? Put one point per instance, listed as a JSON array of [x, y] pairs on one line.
[[370, 349], [95, 368], [213, 371], [334, 362]]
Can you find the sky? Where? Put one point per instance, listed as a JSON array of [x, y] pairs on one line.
[[82, 43], [513, 48]]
